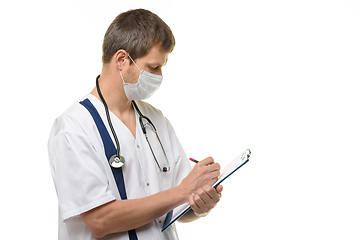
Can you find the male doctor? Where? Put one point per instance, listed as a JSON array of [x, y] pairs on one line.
[[156, 176]]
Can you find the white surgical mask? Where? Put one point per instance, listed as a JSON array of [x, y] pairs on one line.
[[146, 85]]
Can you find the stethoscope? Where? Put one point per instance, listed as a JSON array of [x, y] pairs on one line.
[[117, 161]]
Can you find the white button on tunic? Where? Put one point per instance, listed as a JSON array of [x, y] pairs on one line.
[[83, 177]]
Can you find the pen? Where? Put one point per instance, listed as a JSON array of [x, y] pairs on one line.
[[195, 161]]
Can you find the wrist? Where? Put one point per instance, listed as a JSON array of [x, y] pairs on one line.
[[183, 193]]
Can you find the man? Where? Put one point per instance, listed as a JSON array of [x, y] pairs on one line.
[[127, 194]]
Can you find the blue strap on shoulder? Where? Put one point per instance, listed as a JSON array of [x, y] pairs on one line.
[[110, 151]]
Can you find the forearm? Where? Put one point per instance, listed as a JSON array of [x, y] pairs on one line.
[[124, 215]]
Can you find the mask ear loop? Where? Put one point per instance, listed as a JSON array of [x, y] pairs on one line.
[[134, 62], [135, 65], [122, 77]]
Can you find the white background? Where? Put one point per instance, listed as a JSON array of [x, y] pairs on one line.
[[278, 77]]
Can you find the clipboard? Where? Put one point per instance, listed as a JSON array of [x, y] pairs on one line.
[[224, 174]]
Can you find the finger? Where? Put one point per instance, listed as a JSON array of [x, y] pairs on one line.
[[206, 200], [213, 170], [213, 167], [213, 195], [206, 161], [219, 189], [212, 177], [210, 172], [200, 202], [193, 204]]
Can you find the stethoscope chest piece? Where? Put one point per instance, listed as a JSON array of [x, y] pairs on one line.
[[117, 161]]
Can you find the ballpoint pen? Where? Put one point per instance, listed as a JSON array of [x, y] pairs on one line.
[[195, 161]]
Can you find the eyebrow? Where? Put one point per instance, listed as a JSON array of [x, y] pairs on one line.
[[158, 63]]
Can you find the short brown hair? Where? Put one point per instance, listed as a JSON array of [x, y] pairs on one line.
[[136, 31]]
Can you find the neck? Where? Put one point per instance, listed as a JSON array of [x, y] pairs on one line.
[[112, 90]]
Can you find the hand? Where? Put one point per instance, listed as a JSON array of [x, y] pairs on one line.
[[205, 173], [205, 199]]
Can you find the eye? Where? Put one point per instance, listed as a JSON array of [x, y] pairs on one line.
[[153, 68]]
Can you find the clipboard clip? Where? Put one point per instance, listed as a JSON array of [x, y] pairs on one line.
[[246, 155]]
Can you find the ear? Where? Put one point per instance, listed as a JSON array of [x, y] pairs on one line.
[[120, 58]]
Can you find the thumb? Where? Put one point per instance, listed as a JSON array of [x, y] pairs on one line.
[[219, 188]]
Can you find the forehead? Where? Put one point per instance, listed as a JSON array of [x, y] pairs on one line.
[[156, 55]]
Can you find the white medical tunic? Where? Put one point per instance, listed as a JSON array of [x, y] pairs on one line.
[[83, 177]]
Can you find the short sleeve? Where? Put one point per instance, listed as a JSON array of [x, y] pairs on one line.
[[182, 165], [79, 175]]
